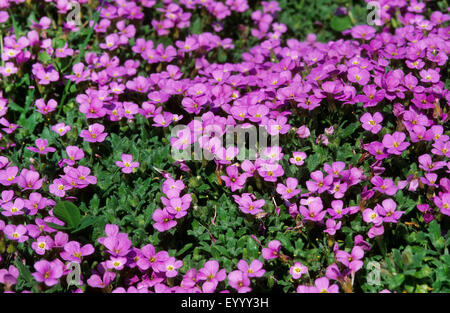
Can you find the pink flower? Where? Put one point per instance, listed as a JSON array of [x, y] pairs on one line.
[[239, 281], [42, 244], [42, 148], [254, 270], [17, 233], [127, 164], [46, 108], [289, 190], [314, 211], [61, 129], [298, 158], [211, 273], [170, 267], [272, 251], [353, 261], [372, 123], [48, 272], [395, 143], [234, 180], [74, 252], [94, 133], [388, 211], [164, 220], [430, 76], [358, 75], [297, 270]]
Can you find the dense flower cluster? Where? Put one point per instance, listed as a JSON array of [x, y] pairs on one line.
[[278, 80]]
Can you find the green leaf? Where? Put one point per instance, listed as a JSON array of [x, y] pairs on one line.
[[340, 24], [68, 212], [350, 129], [184, 249], [24, 273], [312, 162], [56, 226]]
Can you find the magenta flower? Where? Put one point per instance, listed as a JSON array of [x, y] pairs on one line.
[[386, 186], [74, 252], [395, 143], [17, 233], [388, 211], [248, 203], [272, 251], [358, 75], [170, 267], [127, 164], [164, 220], [234, 180], [443, 203], [314, 211], [239, 281], [42, 244], [332, 227], [372, 123], [48, 272], [428, 212], [298, 158], [371, 216], [61, 129], [289, 190], [319, 184], [430, 76], [94, 133], [211, 273], [364, 32], [150, 258], [29, 179], [12, 209], [337, 209], [116, 263], [9, 176], [297, 270], [353, 260], [42, 148], [59, 187], [254, 270]]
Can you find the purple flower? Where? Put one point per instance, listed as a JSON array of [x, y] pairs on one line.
[[17, 233], [395, 143], [298, 158], [94, 133], [42, 244], [254, 270], [211, 273], [48, 272], [353, 261], [29, 179], [314, 211], [289, 190], [386, 186], [170, 267], [61, 129], [42, 148], [332, 227], [239, 281], [74, 252], [371, 123], [127, 164], [272, 251], [164, 220], [297, 270], [234, 180]]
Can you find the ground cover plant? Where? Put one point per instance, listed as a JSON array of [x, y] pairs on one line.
[[98, 98]]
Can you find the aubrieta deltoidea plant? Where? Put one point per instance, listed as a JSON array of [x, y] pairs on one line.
[[212, 146]]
